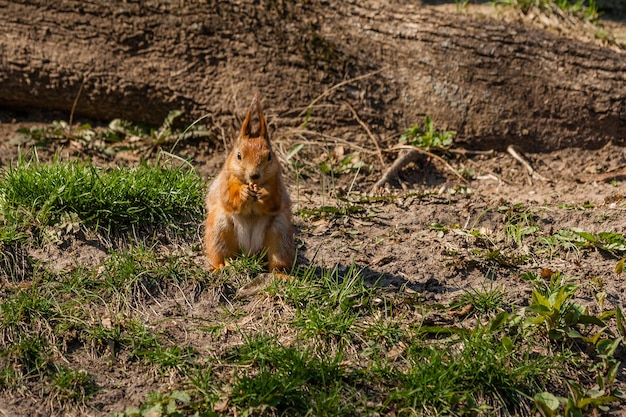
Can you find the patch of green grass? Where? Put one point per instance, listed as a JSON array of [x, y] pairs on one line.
[[520, 222], [93, 310], [114, 199], [289, 380], [70, 385], [140, 273], [327, 306], [484, 301], [478, 372]]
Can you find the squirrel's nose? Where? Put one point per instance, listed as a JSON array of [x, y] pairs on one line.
[[255, 176]]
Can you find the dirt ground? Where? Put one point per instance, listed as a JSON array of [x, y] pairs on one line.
[[392, 238]]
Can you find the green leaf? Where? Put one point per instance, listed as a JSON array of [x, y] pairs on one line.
[[507, 343], [612, 372], [596, 401], [585, 235], [547, 403], [588, 319], [498, 321], [530, 321], [555, 334], [540, 301], [181, 396], [573, 334], [621, 322], [294, 151], [619, 266], [155, 410], [428, 125], [608, 346], [594, 339]]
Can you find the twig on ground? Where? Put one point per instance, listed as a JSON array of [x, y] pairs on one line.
[[533, 174], [491, 177], [369, 132], [80, 91], [437, 157], [404, 159], [461, 151], [614, 174]]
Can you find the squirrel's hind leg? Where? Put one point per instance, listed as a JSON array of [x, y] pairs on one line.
[[279, 243], [219, 239]]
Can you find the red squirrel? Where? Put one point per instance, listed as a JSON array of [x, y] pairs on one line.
[[248, 206]]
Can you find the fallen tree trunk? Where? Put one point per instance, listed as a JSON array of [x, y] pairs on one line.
[[495, 83]]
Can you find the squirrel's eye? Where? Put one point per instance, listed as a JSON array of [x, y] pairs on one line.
[[269, 156], [239, 155]]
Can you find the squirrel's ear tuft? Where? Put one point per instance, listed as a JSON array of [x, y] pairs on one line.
[[246, 130], [262, 125], [245, 127]]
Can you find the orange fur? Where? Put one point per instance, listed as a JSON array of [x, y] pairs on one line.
[[248, 205]]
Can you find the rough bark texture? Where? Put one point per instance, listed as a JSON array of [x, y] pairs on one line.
[[494, 82]]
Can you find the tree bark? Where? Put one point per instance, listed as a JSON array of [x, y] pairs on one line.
[[495, 83]]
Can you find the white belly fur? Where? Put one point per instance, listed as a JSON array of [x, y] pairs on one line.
[[251, 232]]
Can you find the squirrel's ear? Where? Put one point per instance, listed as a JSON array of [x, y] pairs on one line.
[[246, 130], [245, 127]]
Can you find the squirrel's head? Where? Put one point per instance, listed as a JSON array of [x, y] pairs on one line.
[[252, 159]]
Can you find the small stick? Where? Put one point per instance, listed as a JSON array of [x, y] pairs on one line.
[[461, 151], [533, 174], [369, 132], [80, 90], [437, 157], [403, 159]]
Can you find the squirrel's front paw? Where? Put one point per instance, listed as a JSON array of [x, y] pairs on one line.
[[255, 191], [247, 193], [262, 194]]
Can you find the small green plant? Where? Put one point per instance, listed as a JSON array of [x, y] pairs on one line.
[[160, 405], [344, 165], [520, 223], [70, 385], [428, 138], [553, 306], [607, 241], [580, 401], [484, 301], [576, 239]]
